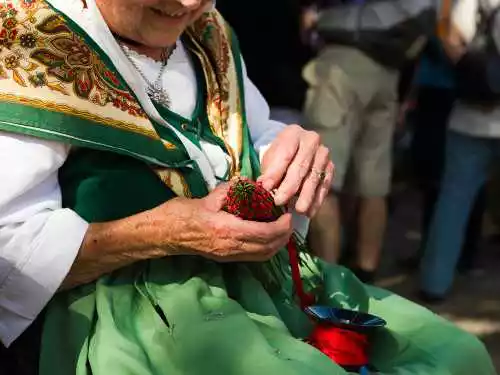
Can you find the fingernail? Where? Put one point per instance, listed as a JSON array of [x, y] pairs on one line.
[[301, 208], [279, 199]]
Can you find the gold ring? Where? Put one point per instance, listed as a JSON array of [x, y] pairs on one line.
[[321, 175]]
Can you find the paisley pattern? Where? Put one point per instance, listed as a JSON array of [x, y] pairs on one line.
[[209, 34], [38, 49], [220, 60]]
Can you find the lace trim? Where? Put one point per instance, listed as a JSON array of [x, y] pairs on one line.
[[144, 59]]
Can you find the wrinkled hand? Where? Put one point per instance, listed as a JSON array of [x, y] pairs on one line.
[[293, 165], [200, 227]]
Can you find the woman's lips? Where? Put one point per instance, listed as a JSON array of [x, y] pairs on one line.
[[176, 14]]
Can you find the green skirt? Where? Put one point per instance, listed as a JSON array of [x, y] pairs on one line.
[[190, 316]]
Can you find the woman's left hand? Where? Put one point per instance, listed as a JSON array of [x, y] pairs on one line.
[[297, 164]]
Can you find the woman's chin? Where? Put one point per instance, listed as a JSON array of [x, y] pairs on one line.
[[153, 38], [164, 31]]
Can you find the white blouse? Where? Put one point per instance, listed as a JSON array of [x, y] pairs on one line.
[[39, 240], [464, 118]]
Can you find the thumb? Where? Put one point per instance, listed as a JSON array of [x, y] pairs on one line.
[[217, 198]]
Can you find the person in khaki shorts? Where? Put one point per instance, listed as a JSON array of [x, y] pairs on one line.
[[351, 102]]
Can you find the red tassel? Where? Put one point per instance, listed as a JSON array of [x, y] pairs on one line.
[[250, 201]]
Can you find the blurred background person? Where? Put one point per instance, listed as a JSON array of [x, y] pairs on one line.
[[473, 141], [435, 87], [352, 103]]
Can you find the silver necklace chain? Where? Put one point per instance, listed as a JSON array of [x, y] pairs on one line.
[[155, 90]]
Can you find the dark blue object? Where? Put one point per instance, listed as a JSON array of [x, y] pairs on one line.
[[347, 319]]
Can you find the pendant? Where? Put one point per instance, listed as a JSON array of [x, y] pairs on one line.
[[158, 95]]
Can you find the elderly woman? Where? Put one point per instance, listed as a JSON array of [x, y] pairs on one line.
[[120, 120]]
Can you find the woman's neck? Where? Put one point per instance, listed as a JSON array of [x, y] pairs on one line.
[[156, 53]]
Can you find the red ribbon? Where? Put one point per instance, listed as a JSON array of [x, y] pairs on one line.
[[305, 299], [345, 347]]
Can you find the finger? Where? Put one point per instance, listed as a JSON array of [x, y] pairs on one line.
[[323, 190], [261, 252], [242, 240], [216, 200], [233, 250], [313, 181], [299, 168], [228, 226], [252, 231], [275, 164], [244, 256]]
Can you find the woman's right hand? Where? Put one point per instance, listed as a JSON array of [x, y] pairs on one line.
[[200, 227], [178, 227]]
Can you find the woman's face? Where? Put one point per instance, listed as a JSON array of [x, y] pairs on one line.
[[153, 23]]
